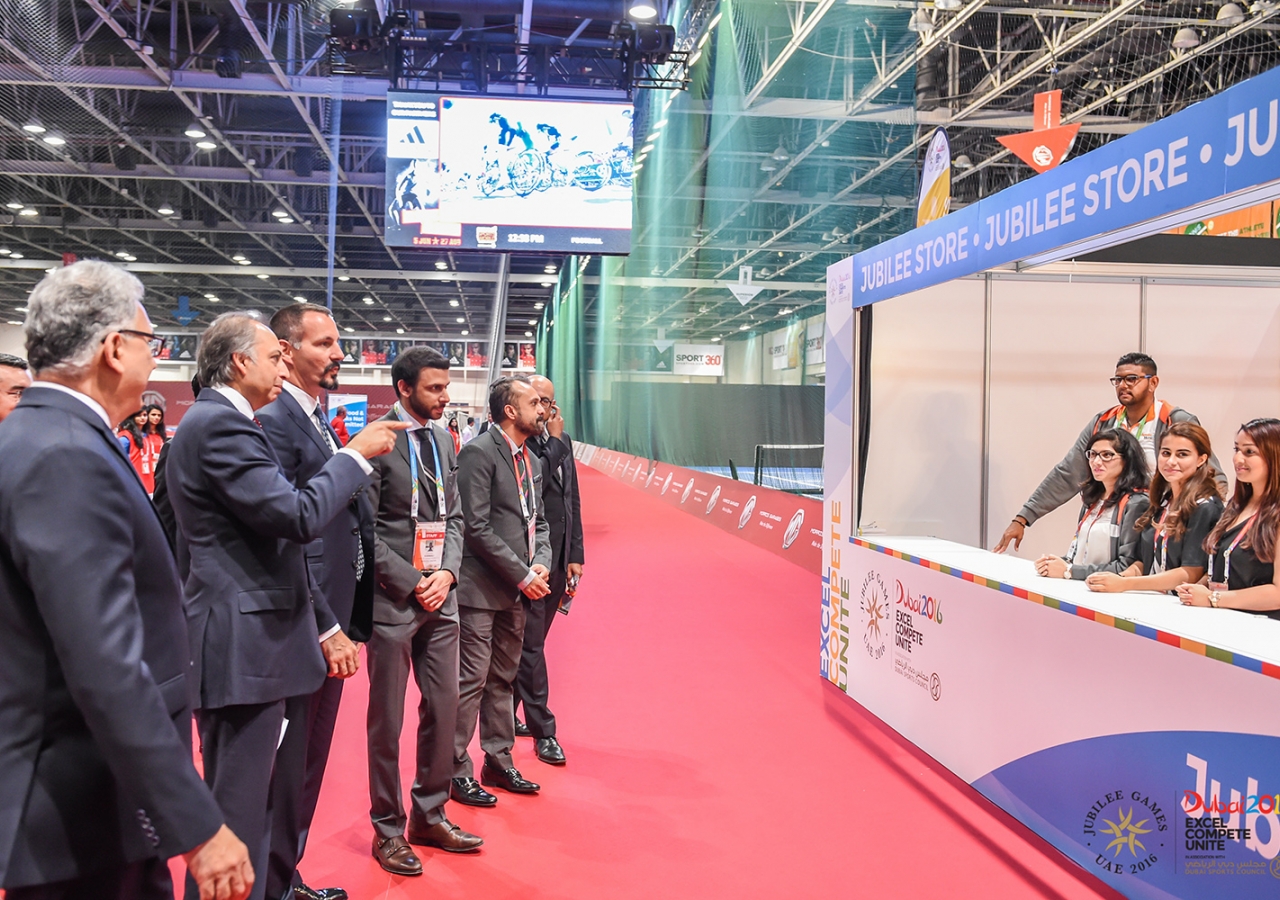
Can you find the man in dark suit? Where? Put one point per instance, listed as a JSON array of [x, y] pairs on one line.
[[563, 510], [506, 554], [242, 524], [339, 561], [160, 496], [415, 618], [97, 787]]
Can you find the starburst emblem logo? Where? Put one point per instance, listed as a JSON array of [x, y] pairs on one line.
[[871, 605], [1125, 833]]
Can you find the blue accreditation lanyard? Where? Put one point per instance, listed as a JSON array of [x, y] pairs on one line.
[[413, 465]]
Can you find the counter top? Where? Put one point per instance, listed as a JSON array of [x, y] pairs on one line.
[[1243, 639]]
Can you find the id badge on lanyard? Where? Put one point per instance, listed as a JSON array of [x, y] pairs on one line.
[[1224, 585], [528, 509], [428, 546]]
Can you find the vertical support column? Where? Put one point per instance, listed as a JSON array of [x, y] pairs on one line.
[[498, 323], [526, 20], [335, 141], [984, 494], [1142, 315]]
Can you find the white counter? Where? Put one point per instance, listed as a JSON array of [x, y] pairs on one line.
[[1247, 634]]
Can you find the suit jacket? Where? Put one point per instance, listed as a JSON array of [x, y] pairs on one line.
[[495, 546], [242, 525], [331, 558], [560, 493], [391, 494], [95, 725], [160, 497]]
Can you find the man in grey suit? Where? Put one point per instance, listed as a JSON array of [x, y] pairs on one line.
[[418, 555], [340, 563], [564, 522], [97, 788], [506, 555], [254, 640]]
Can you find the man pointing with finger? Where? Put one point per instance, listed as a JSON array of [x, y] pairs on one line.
[[506, 556], [417, 557]]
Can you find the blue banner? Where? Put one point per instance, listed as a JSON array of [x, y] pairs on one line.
[[1189, 814], [1215, 148]]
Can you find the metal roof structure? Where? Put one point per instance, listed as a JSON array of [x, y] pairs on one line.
[[798, 150]]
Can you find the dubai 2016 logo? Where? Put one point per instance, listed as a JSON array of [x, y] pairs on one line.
[[1125, 831], [874, 603]]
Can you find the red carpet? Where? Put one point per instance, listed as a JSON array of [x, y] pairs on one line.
[[707, 759]]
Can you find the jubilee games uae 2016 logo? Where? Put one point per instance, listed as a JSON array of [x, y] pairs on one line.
[[874, 603], [1126, 832]]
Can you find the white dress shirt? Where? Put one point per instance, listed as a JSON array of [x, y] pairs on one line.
[[83, 398], [240, 403]]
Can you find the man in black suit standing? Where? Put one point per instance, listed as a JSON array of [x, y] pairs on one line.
[[339, 561], [563, 510], [242, 525], [506, 555], [97, 786], [415, 618]]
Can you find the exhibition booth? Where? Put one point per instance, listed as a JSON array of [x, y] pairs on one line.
[[1136, 735]]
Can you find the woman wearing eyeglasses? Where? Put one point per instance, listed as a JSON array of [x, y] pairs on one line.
[[1114, 498], [1242, 546], [1186, 504]]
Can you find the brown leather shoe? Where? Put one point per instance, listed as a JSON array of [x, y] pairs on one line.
[[396, 856], [446, 836]]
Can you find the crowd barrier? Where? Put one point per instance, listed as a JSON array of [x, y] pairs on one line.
[[782, 523]]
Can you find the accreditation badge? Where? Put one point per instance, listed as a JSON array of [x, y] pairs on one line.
[[533, 532], [428, 546]]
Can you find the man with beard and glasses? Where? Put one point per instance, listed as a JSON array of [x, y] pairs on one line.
[[339, 563], [418, 555], [1138, 412]]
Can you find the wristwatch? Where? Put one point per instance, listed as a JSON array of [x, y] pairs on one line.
[[1213, 599]]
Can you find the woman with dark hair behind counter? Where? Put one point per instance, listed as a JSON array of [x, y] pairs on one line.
[[1185, 505], [1113, 500], [1242, 546]]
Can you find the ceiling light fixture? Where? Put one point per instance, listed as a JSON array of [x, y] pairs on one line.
[[29, 211], [287, 220], [299, 299], [344, 277], [5, 251], [206, 145], [528, 334], [1229, 14], [34, 126], [780, 153], [15, 204], [441, 265], [533, 321], [920, 23], [461, 319], [165, 209], [211, 298], [1185, 39], [348, 329], [642, 9], [237, 256], [946, 5], [465, 332], [399, 331], [453, 302], [539, 305], [15, 256], [195, 131], [263, 275], [279, 213], [963, 162], [367, 301], [546, 283], [122, 253], [53, 139], [244, 262]]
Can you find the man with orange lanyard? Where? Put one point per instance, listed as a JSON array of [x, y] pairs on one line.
[[1138, 413]]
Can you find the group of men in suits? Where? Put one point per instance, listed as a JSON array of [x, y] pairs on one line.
[[286, 552]]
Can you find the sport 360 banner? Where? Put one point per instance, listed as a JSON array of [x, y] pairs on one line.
[[781, 523]]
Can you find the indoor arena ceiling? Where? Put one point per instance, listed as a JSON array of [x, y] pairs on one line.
[[832, 105]]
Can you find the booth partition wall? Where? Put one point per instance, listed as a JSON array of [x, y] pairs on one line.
[[1000, 373]]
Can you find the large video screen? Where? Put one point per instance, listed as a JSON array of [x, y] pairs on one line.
[[501, 173]]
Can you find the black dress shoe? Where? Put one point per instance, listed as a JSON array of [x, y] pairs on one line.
[[522, 730], [549, 751], [507, 779], [468, 792], [446, 836], [396, 856], [302, 892]]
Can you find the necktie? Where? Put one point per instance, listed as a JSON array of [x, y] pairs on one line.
[[522, 473], [328, 439], [427, 459], [323, 426]]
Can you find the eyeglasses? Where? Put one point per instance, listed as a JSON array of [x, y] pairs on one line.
[[1127, 380], [1105, 455], [156, 343]]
